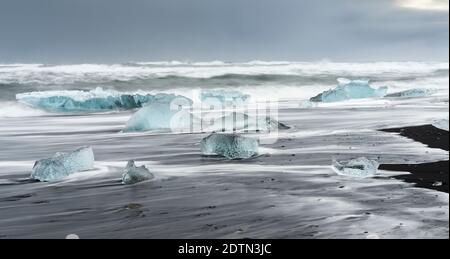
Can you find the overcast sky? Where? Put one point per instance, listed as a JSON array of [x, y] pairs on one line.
[[73, 31]]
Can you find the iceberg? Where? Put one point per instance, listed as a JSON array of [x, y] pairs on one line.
[[231, 146], [63, 164], [348, 89], [134, 174], [441, 124], [224, 97], [91, 101], [411, 93], [161, 116], [242, 122], [359, 167]]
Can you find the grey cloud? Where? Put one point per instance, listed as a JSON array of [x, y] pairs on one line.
[[70, 31]]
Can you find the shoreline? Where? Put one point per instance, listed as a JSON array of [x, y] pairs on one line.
[[434, 175]]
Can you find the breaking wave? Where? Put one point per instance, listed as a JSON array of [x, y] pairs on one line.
[[15, 110], [145, 72]]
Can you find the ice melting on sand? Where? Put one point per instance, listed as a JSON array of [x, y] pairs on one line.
[[359, 167], [441, 124], [231, 146], [411, 93], [242, 122], [63, 164], [90, 101], [350, 89], [161, 116], [224, 97], [134, 174]]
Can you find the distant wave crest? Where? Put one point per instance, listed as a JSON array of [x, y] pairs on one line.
[[39, 74]]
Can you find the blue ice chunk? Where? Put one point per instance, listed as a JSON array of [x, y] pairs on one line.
[[134, 174], [242, 122], [90, 101], [63, 164], [411, 93], [347, 89], [161, 116], [224, 97], [231, 146], [359, 167]]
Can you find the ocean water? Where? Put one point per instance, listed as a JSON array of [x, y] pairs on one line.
[[277, 78], [273, 195]]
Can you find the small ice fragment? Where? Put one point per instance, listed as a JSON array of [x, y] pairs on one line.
[[231, 146], [437, 184], [63, 164], [416, 92], [441, 124], [359, 167], [347, 89], [135, 174], [242, 122]]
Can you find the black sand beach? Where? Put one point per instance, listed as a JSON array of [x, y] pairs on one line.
[[289, 191], [428, 175]]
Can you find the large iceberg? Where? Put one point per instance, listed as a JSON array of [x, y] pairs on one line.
[[359, 167], [91, 101], [231, 146], [223, 97], [350, 89], [63, 164], [134, 174], [242, 122], [411, 93], [162, 116]]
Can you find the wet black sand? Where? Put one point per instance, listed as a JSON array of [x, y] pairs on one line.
[[428, 175]]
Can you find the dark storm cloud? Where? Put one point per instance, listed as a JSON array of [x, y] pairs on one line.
[[65, 31]]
